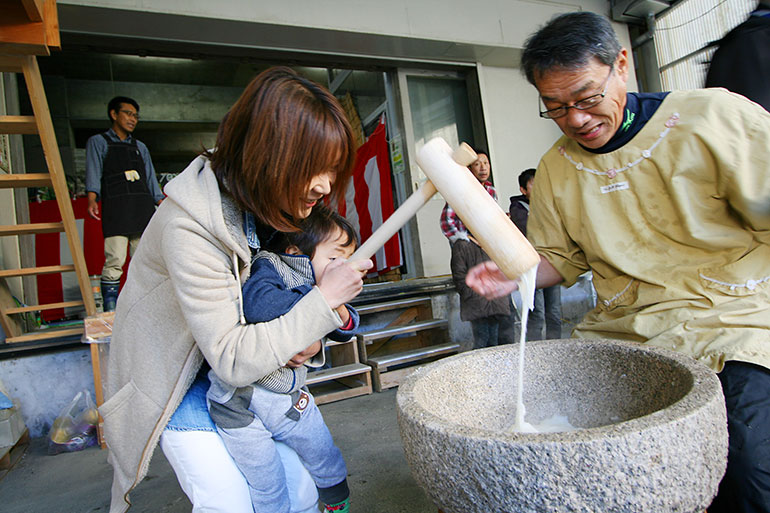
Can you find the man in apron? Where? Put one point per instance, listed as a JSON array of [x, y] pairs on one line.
[[119, 171]]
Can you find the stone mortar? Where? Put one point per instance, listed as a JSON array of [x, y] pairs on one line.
[[652, 437]]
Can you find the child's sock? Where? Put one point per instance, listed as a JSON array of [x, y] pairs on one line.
[[340, 507]]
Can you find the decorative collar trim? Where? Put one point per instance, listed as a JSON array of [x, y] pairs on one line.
[[613, 172]]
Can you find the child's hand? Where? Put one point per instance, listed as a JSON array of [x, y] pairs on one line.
[[344, 314], [300, 358]]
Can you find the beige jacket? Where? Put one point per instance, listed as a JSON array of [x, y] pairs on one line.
[[180, 304], [675, 227]]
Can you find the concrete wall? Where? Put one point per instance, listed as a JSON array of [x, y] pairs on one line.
[[44, 384]]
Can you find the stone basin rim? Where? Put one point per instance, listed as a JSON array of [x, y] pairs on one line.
[[705, 387]]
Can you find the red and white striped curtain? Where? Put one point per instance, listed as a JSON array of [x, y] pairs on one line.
[[369, 197]]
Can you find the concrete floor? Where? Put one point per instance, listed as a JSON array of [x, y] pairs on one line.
[[365, 429]]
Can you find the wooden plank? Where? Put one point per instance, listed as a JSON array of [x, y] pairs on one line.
[[56, 169], [394, 378], [363, 387], [400, 330], [393, 305], [34, 9], [45, 335], [20, 35], [26, 229], [9, 181], [405, 317], [28, 271], [412, 355], [10, 456], [11, 63], [51, 23], [11, 325], [332, 373], [18, 125], [40, 308]]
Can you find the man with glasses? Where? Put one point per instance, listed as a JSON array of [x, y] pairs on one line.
[[119, 171], [666, 198]]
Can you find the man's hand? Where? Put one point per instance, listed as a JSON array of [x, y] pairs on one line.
[[300, 358], [93, 206], [489, 281]]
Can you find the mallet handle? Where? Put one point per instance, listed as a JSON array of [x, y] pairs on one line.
[[463, 155]]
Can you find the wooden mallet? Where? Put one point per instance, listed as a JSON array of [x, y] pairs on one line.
[[448, 172]]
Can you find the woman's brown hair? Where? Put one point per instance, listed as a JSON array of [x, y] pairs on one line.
[[283, 131]]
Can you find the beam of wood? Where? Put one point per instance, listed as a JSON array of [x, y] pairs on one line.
[[55, 167], [51, 23], [29, 271], [25, 180], [40, 308], [22, 36], [34, 9], [11, 63], [26, 229], [12, 326], [18, 125], [45, 335]]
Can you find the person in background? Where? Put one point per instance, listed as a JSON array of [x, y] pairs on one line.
[[485, 333], [547, 310], [741, 63], [664, 198], [451, 225], [119, 172], [181, 310], [279, 407], [492, 321]]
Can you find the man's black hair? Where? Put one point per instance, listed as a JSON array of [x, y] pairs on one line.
[[569, 41], [117, 101], [525, 177], [314, 229]]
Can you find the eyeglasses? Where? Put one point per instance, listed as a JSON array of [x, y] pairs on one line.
[[584, 104], [130, 114]]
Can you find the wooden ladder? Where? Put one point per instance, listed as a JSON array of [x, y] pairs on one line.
[[29, 28], [40, 123]]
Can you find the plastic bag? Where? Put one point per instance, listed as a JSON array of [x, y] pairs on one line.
[[75, 428]]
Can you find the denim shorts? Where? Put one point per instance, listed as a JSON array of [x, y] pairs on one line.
[[192, 414]]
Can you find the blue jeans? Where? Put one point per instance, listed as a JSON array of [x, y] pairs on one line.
[[547, 311], [494, 330], [252, 420]]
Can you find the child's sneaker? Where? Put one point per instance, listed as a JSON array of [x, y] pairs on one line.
[[340, 507]]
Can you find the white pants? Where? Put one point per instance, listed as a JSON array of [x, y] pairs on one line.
[[212, 482]]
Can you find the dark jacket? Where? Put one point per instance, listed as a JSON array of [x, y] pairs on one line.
[[466, 254], [519, 211], [742, 61]]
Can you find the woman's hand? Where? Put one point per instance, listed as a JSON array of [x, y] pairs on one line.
[[342, 280], [300, 358], [489, 281]]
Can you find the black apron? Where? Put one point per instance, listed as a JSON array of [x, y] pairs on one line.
[[127, 204]]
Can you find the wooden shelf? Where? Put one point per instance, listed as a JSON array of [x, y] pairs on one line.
[[18, 125], [25, 180], [40, 308], [26, 229], [31, 271]]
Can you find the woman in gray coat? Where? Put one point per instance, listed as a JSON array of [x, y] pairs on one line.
[[283, 146]]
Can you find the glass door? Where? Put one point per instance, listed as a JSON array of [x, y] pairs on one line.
[[435, 104]]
